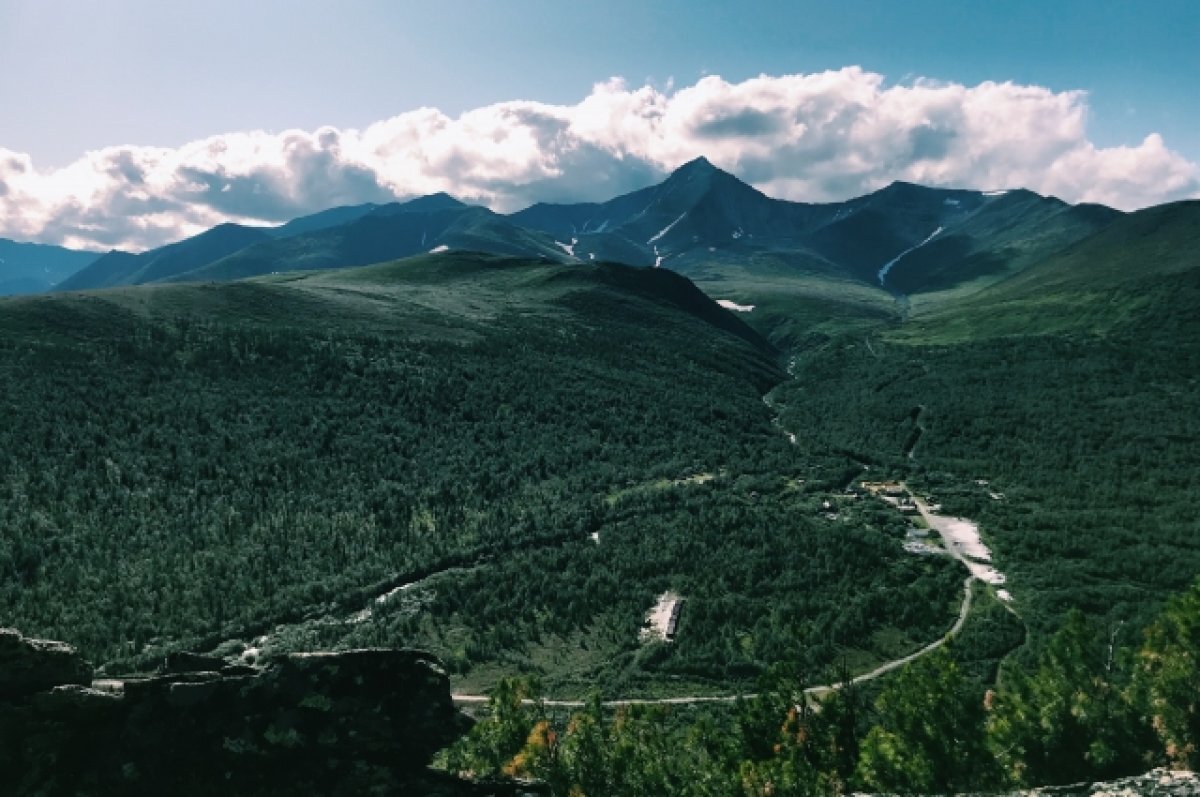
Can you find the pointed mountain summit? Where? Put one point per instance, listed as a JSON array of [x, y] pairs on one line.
[[700, 168], [702, 206], [697, 205], [702, 221]]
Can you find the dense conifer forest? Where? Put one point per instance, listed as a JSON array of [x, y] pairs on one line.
[[570, 445], [509, 462]]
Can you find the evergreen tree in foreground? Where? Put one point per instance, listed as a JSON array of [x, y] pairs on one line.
[[1168, 678], [1072, 718], [930, 733]]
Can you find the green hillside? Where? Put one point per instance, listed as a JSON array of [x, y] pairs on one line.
[[122, 268], [384, 234], [190, 466], [1071, 389], [1127, 272], [1008, 234], [510, 461]]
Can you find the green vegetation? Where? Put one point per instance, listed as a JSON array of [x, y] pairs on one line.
[[1082, 713], [1068, 719], [770, 744], [1087, 444], [190, 466], [1074, 444], [928, 734], [508, 462], [1167, 679]]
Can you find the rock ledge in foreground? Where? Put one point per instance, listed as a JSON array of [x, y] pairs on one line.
[[347, 723]]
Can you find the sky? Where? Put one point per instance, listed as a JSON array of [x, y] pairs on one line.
[[131, 123]]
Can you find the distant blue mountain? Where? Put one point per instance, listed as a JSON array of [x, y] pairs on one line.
[[33, 268], [905, 238]]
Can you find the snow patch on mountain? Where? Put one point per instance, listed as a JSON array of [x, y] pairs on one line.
[[729, 304], [883, 272], [667, 229], [436, 249], [568, 248]]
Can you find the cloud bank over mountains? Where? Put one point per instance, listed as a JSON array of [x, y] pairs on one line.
[[815, 137]]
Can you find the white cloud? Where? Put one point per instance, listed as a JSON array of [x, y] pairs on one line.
[[817, 137]]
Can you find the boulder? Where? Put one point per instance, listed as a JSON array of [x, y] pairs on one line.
[[354, 722], [1156, 783], [35, 665], [318, 719]]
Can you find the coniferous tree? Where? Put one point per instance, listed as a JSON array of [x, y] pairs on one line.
[[1168, 678], [1071, 719], [930, 733]]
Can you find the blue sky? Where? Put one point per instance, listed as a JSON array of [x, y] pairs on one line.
[[85, 76]]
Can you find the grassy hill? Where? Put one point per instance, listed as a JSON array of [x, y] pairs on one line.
[[507, 461], [387, 233], [1010, 233], [1129, 270]]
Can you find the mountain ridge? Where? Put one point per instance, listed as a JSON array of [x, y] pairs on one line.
[[33, 267], [902, 240]]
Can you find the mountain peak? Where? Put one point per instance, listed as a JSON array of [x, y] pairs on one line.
[[903, 187], [441, 198], [431, 202], [700, 165]]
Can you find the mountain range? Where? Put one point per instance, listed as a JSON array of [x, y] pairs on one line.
[[34, 268], [426, 424], [701, 221]]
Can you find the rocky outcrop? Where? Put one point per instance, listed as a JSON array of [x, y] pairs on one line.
[[31, 665], [357, 722], [1156, 783]]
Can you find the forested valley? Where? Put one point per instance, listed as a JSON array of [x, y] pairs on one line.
[[1076, 450], [507, 463], [554, 449]]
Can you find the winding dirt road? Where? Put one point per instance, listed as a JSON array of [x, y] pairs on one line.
[[964, 610], [814, 691]]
